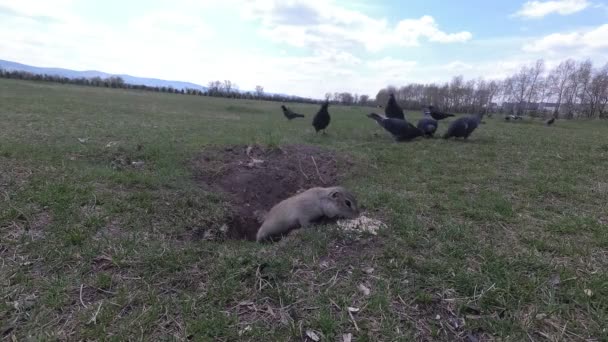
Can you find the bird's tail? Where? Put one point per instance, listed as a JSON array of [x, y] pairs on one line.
[[375, 116], [296, 115]]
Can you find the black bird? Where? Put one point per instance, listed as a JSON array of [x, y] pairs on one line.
[[436, 114], [289, 114], [550, 121], [393, 110], [321, 119], [428, 126], [463, 127], [401, 130]]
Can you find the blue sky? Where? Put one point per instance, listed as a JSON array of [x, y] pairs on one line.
[[303, 47]]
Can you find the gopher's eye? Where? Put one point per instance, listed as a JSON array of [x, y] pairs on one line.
[[348, 203]]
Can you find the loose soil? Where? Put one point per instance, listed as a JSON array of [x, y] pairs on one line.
[[254, 178]]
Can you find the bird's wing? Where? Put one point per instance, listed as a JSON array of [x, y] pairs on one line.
[[395, 126]]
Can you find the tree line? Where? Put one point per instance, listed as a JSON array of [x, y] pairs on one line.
[[572, 89], [225, 88]]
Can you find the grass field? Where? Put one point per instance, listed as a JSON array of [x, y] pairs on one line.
[[503, 237]]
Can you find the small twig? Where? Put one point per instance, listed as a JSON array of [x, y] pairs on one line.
[[530, 337], [318, 173], [94, 318], [352, 318], [94, 203], [81, 301], [302, 171], [331, 281], [336, 305]]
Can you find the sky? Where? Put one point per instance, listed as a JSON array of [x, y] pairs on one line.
[[303, 47]]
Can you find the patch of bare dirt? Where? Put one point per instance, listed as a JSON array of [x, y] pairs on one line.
[[33, 226], [254, 178]]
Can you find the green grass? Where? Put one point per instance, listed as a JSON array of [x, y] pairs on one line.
[[502, 237]]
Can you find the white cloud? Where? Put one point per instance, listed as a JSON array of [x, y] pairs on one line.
[[316, 23], [36, 8], [584, 41], [540, 9], [187, 40]]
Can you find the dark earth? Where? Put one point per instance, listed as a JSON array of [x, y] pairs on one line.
[[255, 178]]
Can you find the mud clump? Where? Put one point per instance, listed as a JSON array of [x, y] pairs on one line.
[[253, 178]]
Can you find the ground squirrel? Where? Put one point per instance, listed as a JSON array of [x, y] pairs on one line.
[[302, 209]]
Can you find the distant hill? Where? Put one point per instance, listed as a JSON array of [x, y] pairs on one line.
[[150, 82]]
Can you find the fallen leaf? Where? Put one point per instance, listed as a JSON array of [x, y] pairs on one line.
[[541, 316], [83, 140], [24, 303], [366, 291], [351, 309], [244, 330], [224, 229], [588, 292], [111, 144], [249, 149], [347, 337], [312, 335], [368, 270], [555, 280], [437, 317], [254, 162]]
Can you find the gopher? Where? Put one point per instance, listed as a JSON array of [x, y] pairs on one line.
[[300, 210]]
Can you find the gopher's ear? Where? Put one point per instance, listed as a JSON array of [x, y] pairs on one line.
[[334, 194]]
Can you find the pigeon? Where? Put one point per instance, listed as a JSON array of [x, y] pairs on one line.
[[321, 119], [290, 114], [463, 127], [436, 114], [401, 130], [393, 110], [550, 121], [428, 126]]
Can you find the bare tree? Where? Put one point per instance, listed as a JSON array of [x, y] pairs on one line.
[[559, 78], [346, 98], [259, 91], [363, 100], [534, 77], [576, 89]]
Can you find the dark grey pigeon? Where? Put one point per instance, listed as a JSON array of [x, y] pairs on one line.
[[550, 121], [393, 110], [428, 126], [401, 130], [436, 114], [463, 127], [322, 118], [289, 114]]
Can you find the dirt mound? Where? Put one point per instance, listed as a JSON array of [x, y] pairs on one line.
[[253, 178]]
